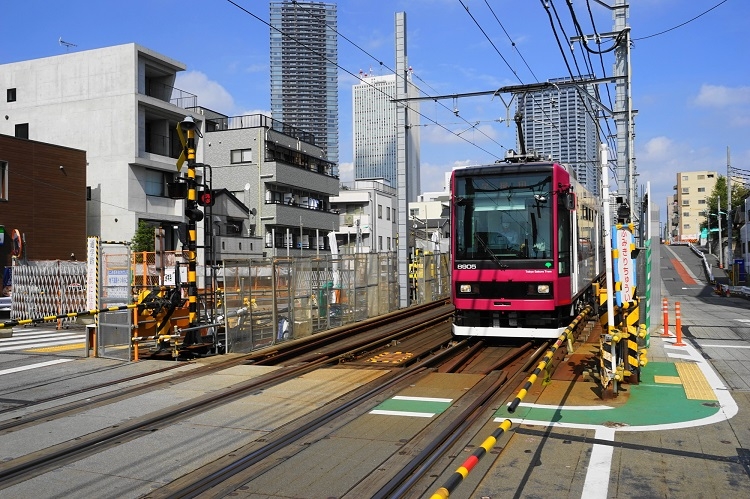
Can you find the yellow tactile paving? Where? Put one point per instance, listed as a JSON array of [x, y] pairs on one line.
[[668, 380], [58, 348], [695, 383]]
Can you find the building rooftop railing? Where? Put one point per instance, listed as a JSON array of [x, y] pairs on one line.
[[258, 120], [369, 184]]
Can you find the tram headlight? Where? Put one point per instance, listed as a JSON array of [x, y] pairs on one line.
[[464, 288], [539, 289]]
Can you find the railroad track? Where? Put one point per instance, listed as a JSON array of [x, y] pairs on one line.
[[331, 349], [412, 464]]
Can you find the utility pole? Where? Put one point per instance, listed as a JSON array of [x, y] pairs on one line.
[[718, 217], [730, 261]]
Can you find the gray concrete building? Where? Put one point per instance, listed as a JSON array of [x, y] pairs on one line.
[[119, 105], [284, 181]]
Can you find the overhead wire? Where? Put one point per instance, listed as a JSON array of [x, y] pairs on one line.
[[681, 24], [324, 57], [393, 71]]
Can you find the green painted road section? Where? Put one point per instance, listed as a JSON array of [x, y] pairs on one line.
[[413, 406], [649, 403]]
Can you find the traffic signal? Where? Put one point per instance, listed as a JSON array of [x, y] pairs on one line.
[[194, 214], [206, 197]]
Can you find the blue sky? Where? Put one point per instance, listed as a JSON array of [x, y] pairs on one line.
[[690, 85]]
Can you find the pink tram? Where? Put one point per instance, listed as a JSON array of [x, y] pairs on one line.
[[526, 247]]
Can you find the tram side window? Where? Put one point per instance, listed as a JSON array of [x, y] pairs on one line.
[[564, 243]]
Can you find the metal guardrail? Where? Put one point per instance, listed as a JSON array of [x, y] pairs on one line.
[[706, 265]]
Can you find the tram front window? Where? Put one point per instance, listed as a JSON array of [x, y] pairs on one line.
[[503, 216]]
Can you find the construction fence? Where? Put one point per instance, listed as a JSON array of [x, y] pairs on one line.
[[274, 300], [257, 302]]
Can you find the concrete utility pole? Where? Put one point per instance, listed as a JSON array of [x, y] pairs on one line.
[[730, 261], [623, 105], [402, 117]]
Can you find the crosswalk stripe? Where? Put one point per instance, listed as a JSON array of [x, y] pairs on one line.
[[33, 366], [26, 345]]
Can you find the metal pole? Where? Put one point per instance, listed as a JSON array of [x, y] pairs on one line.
[[730, 261], [608, 258], [721, 244]]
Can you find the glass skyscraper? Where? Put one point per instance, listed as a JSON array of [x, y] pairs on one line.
[[304, 71], [374, 130], [560, 123]]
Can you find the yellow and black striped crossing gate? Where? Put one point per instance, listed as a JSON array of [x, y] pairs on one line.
[[623, 345]]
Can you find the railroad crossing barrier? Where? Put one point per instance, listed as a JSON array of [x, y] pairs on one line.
[[543, 364], [463, 471]]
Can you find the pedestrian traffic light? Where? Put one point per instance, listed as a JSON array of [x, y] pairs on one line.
[[206, 197]]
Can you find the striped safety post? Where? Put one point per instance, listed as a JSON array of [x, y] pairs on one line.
[[678, 325], [463, 470], [647, 319], [665, 311]]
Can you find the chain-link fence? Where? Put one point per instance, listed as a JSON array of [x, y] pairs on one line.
[[273, 300], [260, 302]]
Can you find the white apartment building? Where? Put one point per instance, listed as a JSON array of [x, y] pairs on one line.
[[367, 217], [374, 132], [118, 104]]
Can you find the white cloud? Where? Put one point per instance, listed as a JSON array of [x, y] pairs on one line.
[[210, 94], [433, 176], [721, 96], [346, 172], [658, 148]]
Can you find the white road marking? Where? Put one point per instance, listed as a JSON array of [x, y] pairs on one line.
[[422, 399], [33, 366], [403, 413], [596, 483]]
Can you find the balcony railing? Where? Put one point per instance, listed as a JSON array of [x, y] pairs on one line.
[[179, 98]]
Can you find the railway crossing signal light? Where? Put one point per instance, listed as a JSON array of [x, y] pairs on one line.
[[206, 198]]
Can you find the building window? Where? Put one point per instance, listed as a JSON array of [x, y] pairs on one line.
[[388, 240], [380, 243], [701, 189], [156, 182], [11, 95], [3, 180], [22, 131], [241, 156], [686, 190], [686, 226], [684, 177], [685, 213], [380, 211], [685, 202], [701, 201], [387, 213]]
